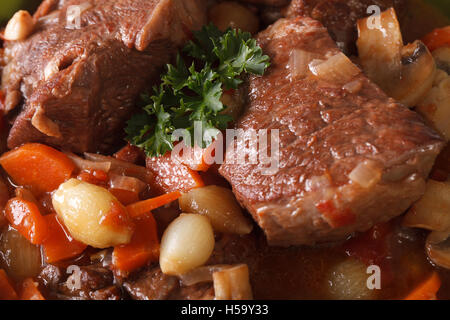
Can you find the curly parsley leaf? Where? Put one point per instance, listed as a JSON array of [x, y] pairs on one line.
[[191, 96], [202, 47]]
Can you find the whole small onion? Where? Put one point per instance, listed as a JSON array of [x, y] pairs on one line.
[[187, 243]]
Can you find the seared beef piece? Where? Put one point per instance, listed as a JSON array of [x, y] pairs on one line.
[[75, 88], [93, 282], [152, 284], [340, 16], [326, 130]]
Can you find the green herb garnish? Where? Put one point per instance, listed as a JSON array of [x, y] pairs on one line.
[[190, 94]]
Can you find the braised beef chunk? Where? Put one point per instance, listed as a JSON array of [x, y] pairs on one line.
[[73, 85], [340, 16], [152, 284], [329, 130], [93, 282]]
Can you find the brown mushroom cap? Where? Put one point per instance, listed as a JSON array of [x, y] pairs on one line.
[[438, 248]]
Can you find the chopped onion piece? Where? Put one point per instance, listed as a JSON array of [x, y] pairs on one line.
[[220, 206], [353, 86], [44, 124], [123, 167], [347, 280], [298, 63], [126, 183], [201, 274], [20, 258], [83, 164], [232, 284], [366, 174], [337, 69]]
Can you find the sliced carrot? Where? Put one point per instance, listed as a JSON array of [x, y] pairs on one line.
[[26, 218], [171, 175], [30, 290], [142, 207], [437, 38], [143, 247], [37, 166], [7, 291], [59, 245], [125, 197], [427, 290]]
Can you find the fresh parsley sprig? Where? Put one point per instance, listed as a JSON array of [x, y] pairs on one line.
[[190, 94]]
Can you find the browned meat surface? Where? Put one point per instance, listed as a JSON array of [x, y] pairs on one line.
[[326, 131], [75, 88], [93, 282], [340, 16], [152, 284], [274, 3]]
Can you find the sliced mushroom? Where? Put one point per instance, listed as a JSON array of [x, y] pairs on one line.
[[438, 248], [436, 105], [405, 73], [233, 283], [380, 45], [417, 75], [432, 212]]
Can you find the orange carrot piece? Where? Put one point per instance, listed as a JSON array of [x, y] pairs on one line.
[[59, 245], [437, 38], [143, 247], [30, 290], [7, 291], [427, 290], [171, 175], [26, 218], [140, 208], [37, 166]]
